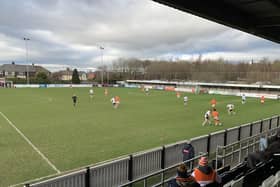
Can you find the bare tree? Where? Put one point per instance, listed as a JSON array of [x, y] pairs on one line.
[[197, 70]]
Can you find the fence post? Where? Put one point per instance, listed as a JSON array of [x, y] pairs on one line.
[[162, 162], [278, 119], [163, 157], [130, 168], [225, 137], [208, 143], [87, 177], [270, 121], [239, 133], [261, 128]]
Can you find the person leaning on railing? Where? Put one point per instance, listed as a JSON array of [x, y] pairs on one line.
[[204, 174], [274, 138], [263, 155], [188, 153], [183, 178], [263, 142]]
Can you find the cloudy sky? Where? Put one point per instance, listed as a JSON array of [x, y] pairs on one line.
[[69, 33]]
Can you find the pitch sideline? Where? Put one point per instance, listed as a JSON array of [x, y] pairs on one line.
[[31, 144]]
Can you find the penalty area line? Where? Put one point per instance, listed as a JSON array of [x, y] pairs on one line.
[[30, 143]]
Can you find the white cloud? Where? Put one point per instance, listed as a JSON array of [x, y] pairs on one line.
[[70, 32]]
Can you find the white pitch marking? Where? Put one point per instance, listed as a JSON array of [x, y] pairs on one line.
[[30, 143]]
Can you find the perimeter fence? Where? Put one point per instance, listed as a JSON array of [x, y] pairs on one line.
[[136, 166]]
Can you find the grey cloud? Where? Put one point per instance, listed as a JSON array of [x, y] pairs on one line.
[[70, 31]]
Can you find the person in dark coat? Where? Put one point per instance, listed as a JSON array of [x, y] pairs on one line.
[[188, 153], [74, 99], [183, 178], [275, 137], [261, 156]]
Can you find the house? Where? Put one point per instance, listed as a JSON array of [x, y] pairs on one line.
[[82, 75], [91, 75], [66, 75], [21, 71]]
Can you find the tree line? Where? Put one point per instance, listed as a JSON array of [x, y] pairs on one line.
[[218, 70]]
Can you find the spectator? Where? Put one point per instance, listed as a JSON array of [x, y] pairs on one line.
[[183, 178], [188, 153], [204, 174], [254, 158], [273, 148], [263, 142], [275, 138], [261, 156]]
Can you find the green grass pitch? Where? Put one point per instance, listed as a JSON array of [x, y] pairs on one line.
[[93, 131]]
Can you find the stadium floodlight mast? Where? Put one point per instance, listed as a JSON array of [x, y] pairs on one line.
[[26, 49], [101, 49]]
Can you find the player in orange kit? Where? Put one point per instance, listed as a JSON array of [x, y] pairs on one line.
[[216, 118], [106, 92], [262, 99], [213, 103], [178, 95], [116, 101]]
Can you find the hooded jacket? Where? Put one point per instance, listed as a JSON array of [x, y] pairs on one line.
[[188, 152], [187, 182], [205, 175]]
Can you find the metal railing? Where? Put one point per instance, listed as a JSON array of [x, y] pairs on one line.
[[161, 180], [137, 166], [234, 153]]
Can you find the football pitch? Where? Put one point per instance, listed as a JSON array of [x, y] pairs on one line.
[[42, 133]]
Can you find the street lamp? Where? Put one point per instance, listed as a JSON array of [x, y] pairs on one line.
[[101, 49], [26, 48]]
